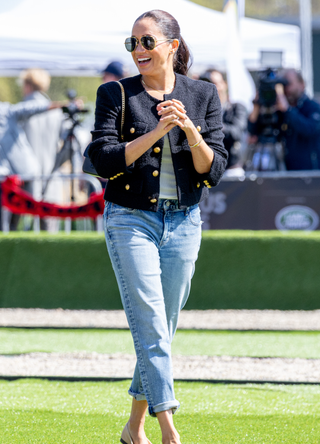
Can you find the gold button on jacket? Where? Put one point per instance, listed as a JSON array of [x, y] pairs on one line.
[[155, 173], [157, 149], [127, 187], [132, 130], [153, 200], [199, 128]]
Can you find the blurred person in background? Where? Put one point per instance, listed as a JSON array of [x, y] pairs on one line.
[[16, 153], [234, 119], [44, 134], [113, 72], [298, 122]]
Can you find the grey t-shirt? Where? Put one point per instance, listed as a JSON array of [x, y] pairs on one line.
[[168, 186]]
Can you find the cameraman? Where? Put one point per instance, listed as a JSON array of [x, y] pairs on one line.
[[298, 122]]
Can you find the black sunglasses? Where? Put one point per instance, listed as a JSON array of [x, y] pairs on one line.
[[147, 41]]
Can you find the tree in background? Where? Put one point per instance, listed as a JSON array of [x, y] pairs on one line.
[[86, 88]]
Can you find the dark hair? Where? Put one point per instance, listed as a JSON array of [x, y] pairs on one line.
[[182, 59], [297, 73], [206, 75]]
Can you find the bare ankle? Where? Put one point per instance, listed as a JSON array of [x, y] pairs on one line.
[[136, 424], [171, 440], [169, 432]]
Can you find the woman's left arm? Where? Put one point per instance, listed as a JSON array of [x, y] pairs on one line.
[[202, 154], [208, 153]]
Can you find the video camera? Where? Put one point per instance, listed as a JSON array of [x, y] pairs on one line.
[[268, 80], [267, 154], [72, 109], [270, 120]]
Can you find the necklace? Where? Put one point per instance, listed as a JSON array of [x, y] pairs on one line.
[[158, 90]]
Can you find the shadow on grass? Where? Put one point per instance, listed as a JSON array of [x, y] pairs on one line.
[[54, 412], [33, 427]]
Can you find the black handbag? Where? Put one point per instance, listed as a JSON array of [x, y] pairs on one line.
[[87, 166]]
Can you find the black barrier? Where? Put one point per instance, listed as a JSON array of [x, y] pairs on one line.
[[262, 201], [265, 201]]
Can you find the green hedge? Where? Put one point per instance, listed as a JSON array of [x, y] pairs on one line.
[[86, 87], [235, 269], [10, 91]]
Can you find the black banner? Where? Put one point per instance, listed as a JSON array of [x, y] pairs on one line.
[[263, 203]]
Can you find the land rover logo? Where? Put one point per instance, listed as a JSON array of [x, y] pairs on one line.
[[297, 217]]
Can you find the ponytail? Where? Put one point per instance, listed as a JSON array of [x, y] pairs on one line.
[[182, 58], [170, 28]]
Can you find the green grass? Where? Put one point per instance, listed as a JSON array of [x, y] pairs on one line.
[[190, 342], [33, 411]]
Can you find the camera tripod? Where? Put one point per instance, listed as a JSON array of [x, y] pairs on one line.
[[71, 148], [266, 156]]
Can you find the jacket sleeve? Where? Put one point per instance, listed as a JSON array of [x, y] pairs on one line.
[[305, 125], [106, 151], [235, 130], [214, 139], [24, 110], [253, 127]]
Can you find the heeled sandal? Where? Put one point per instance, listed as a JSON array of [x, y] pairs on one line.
[[126, 437]]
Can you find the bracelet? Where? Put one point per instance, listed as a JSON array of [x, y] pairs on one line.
[[198, 143]]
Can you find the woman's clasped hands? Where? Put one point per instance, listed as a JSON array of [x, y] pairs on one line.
[[172, 113]]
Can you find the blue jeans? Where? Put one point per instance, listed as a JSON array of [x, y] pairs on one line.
[[153, 257]]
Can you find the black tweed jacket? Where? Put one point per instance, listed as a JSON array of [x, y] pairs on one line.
[[138, 185]]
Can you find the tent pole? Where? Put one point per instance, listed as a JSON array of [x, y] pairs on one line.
[[241, 8], [306, 44]]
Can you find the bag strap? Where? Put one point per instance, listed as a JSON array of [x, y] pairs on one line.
[[122, 109]]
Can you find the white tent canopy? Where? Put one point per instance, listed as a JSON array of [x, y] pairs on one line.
[[80, 35]]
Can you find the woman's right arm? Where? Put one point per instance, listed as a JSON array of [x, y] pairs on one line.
[[107, 151], [109, 155]]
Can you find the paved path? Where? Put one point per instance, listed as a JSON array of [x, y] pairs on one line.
[[189, 319], [217, 368]]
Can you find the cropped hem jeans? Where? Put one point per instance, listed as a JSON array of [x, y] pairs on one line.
[[153, 255]]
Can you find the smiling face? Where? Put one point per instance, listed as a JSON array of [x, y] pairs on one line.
[[160, 59]]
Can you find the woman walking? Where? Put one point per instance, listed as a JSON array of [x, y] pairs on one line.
[[171, 153]]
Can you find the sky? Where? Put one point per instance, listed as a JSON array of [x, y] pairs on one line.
[[6, 5]]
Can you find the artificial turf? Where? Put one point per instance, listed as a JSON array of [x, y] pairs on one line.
[[33, 411], [236, 269], [213, 343]]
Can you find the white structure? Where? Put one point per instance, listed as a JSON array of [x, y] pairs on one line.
[[306, 44], [65, 36]]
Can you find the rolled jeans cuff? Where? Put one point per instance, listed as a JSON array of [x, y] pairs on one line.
[[169, 405], [137, 396]]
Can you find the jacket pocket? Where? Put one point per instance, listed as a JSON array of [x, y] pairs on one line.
[[133, 130], [201, 125], [128, 184]]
